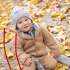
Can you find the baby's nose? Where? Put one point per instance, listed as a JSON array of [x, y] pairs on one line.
[[24, 23]]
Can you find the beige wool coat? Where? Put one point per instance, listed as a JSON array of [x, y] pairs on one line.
[[38, 46]]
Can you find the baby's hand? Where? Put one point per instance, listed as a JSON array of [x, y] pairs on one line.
[[25, 59], [28, 61]]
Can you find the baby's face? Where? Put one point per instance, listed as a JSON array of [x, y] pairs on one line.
[[24, 24]]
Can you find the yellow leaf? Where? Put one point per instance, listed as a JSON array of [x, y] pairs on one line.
[[54, 14], [2, 27], [43, 12], [61, 16], [61, 67], [67, 0], [5, 22], [9, 37], [9, 53], [48, 10], [35, 2], [1, 46]]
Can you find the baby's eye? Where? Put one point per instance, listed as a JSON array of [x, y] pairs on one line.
[[26, 19], [20, 22]]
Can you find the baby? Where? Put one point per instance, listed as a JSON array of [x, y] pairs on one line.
[[33, 41]]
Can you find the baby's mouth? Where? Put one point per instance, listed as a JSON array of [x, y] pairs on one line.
[[26, 26]]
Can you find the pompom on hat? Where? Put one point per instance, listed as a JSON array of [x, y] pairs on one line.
[[17, 13]]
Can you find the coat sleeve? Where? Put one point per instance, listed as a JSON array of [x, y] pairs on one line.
[[20, 52], [50, 42]]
